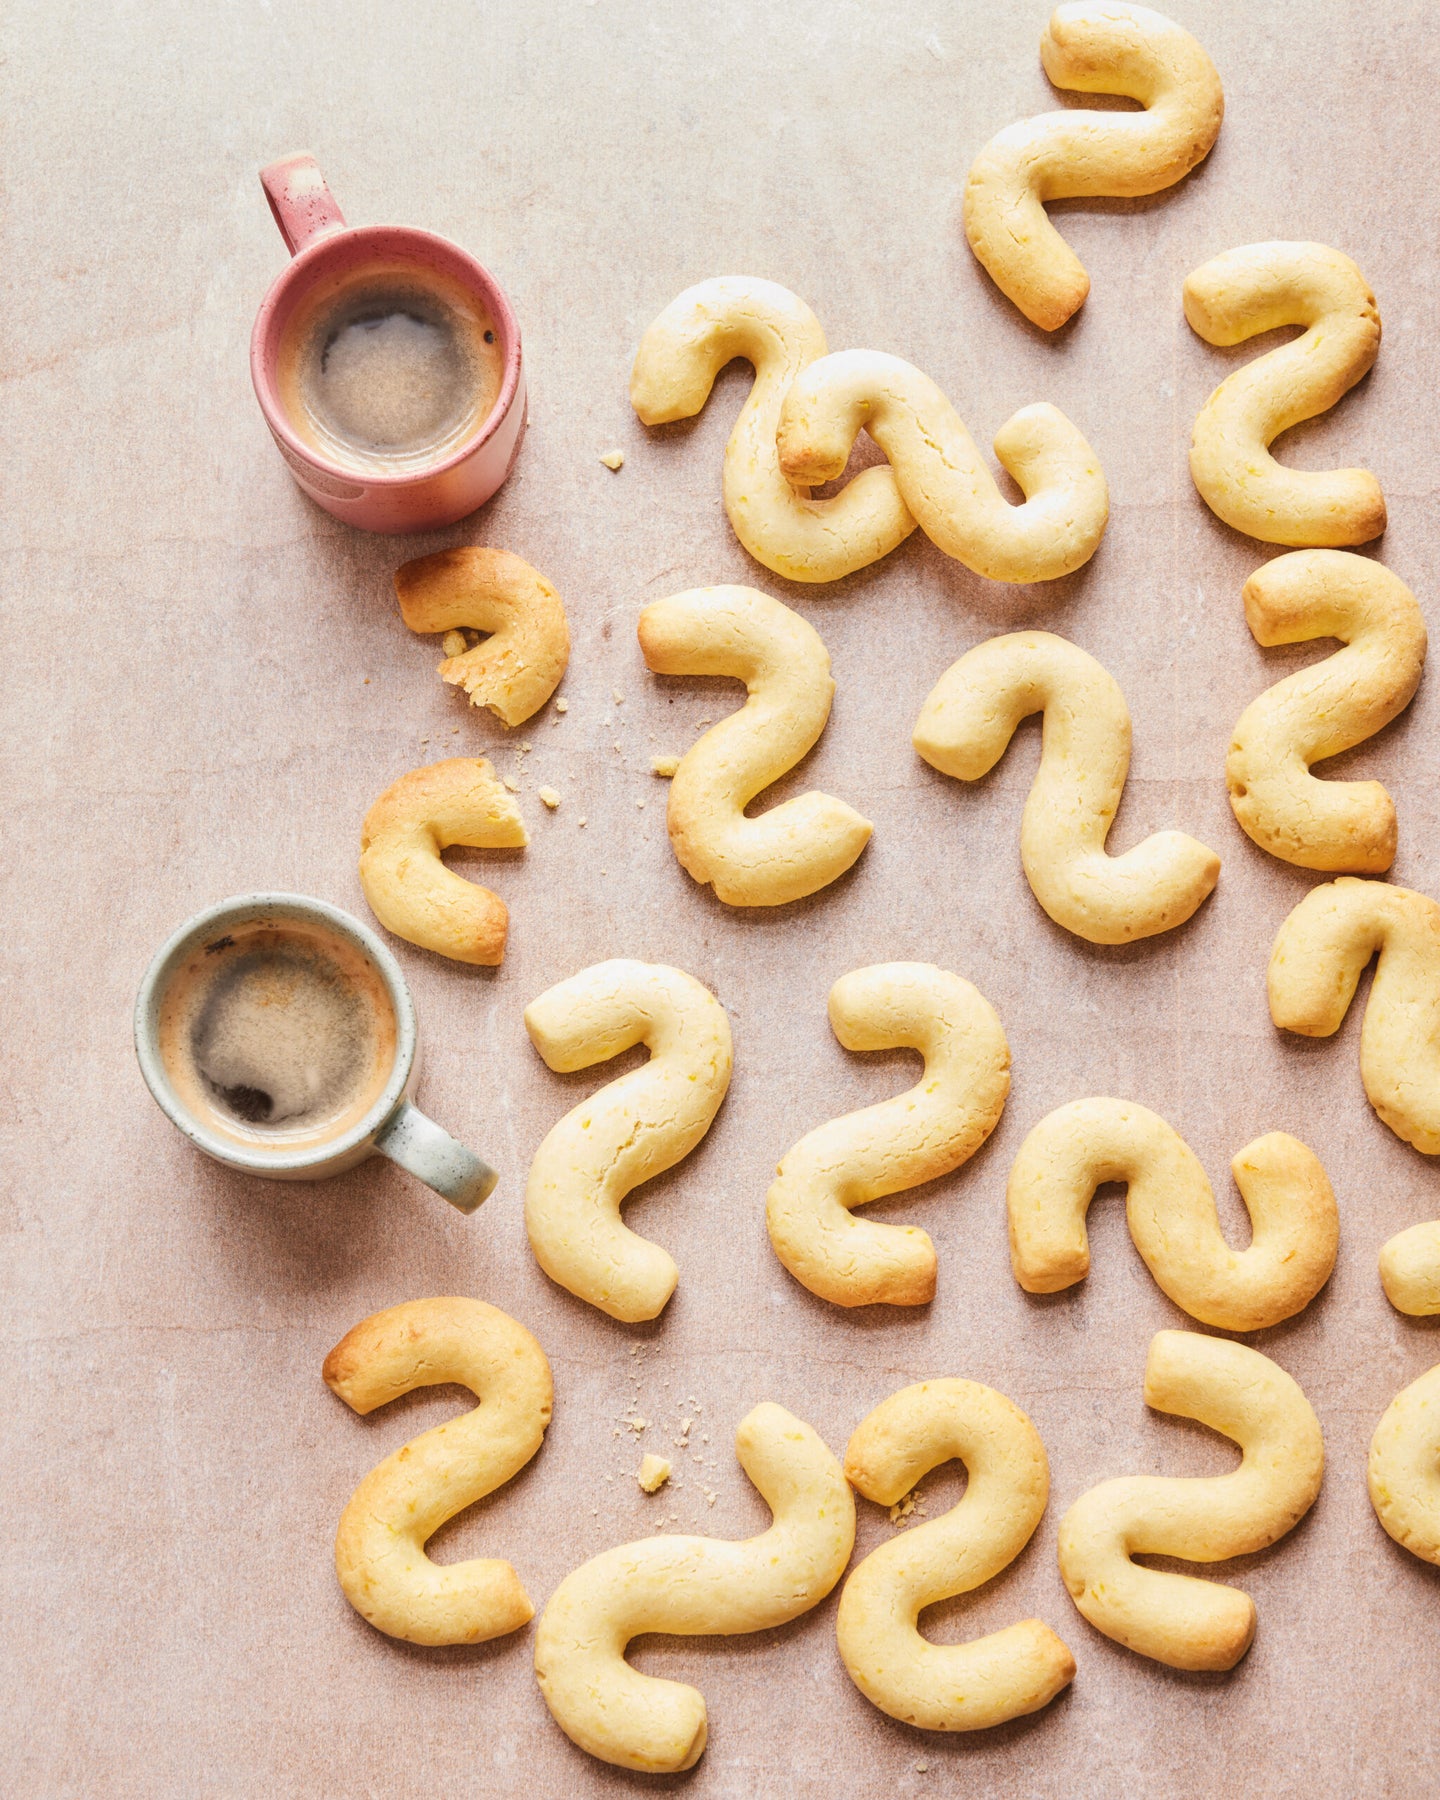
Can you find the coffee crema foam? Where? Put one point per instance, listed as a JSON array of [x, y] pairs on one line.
[[388, 369], [278, 1034]]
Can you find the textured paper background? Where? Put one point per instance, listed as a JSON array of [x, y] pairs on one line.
[[187, 716]]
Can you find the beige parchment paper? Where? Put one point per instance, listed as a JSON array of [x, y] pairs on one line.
[[207, 682]]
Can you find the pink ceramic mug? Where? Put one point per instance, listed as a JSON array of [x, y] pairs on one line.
[[325, 250]]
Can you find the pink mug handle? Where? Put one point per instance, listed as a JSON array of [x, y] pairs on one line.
[[302, 205]]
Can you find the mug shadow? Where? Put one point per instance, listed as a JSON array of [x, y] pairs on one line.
[[306, 1237]]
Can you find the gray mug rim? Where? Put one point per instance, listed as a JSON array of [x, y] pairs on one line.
[[247, 908]]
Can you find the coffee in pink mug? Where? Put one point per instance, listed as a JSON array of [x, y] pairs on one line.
[[387, 364]]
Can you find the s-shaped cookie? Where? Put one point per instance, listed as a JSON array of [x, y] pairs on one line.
[[1171, 1212], [380, 1546], [518, 667], [1319, 955], [692, 1586], [780, 525], [1404, 1470], [1094, 47], [410, 890], [801, 845], [1179, 1619], [640, 1125], [1324, 709], [919, 1135], [948, 1687], [942, 475], [964, 729], [1235, 297]]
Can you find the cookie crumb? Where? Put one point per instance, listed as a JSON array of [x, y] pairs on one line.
[[525, 749], [513, 785], [613, 459], [617, 696], [653, 1474], [562, 704], [920, 1768], [550, 798], [581, 820], [664, 766], [640, 803], [453, 643]]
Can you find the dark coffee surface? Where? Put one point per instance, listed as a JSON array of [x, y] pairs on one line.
[[282, 1039], [277, 1033], [389, 369]]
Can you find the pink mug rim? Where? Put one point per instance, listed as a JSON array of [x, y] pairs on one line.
[[296, 272]]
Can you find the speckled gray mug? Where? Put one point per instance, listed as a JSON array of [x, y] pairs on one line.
[[391, 1124]]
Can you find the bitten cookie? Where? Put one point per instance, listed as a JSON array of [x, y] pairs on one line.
[[1177, 1619], [693, 1587], [948, 1687], [518, 667], [1095, 47]]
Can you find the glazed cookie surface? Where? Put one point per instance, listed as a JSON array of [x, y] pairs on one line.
[[919, 1135], [1179, 1619], [518, 667], [780, 525], [635, 1128], [948, 1687], [965, 727], [803, 844], [409, 889], [1170, 1207], [380, 1547], [1344, 826], [694, 1587], [1235, 297], [942, 477], [1093, 47]]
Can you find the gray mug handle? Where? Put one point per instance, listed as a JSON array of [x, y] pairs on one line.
[[434, 1157]]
